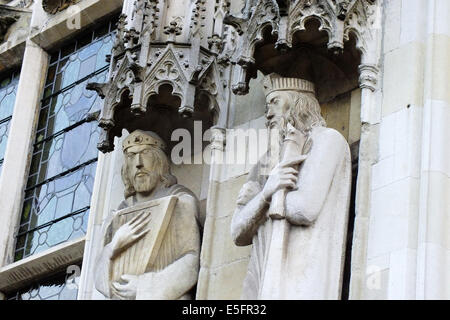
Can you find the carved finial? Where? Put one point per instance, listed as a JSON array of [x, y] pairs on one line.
[[173, 30]]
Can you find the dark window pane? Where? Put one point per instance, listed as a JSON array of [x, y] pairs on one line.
[[51, 74], [4, 129], [67, 50]]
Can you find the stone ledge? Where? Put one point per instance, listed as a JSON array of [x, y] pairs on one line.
[[11, 54], [56, 29], [18, 274]]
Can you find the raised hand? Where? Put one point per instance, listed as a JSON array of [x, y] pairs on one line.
[[130, 232]]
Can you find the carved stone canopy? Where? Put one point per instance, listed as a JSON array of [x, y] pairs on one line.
[[302, 37], [9, 15], [54, 6], [163, 76]]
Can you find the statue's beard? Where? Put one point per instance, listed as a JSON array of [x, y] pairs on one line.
[[277, 129], [145, 183]]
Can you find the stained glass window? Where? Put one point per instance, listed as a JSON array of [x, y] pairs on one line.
[[61, 177], [8, 89], [63, 286]]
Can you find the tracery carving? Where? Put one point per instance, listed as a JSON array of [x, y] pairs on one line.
[[338, 18], [149, 53]]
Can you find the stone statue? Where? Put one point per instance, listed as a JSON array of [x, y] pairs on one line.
[[294, 206], [174, 269]]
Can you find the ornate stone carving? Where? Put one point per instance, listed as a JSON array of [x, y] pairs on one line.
[[147, 56], [54, 6], [294, 206], [9, 15], [339, 18], [368, 76], [151, 246]]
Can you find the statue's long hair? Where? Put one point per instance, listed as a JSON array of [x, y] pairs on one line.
[[304, 113], [160, 166]]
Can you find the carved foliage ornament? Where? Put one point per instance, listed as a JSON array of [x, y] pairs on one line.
[[147, 55], [54, 6], [9, 15]]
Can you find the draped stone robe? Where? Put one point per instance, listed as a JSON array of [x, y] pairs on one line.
[[175, 270], [316, 217]]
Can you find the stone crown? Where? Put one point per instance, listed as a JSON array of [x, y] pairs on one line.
[[274, 82], [139, 138]]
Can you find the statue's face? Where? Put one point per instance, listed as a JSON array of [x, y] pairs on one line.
[[140, 167], [277, 104]]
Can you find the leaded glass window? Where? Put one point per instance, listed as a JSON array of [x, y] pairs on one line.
[[62, 286], [8, 90], [61, 177]]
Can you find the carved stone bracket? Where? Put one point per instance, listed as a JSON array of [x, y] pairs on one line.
[[54, 6], [338, 18], [368, 76], [9, 15], [218, 138]]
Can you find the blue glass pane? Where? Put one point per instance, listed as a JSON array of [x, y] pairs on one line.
[[82, 63], [73, 105], [70, 228], [8, 97], [105, 50], [71, 71], [66, 151], [4, 129], [62, 196], [8, 88], [55, 200], [7, 105]]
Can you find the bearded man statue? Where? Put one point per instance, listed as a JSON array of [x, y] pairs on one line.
[[294, 207], [173, 272]]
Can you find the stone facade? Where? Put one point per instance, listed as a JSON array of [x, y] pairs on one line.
[[381, 72]]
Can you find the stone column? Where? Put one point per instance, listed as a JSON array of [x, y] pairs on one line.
[[433, 225], [370, 121], [99, 207], [408, 245], [21, 137], [217, 155]]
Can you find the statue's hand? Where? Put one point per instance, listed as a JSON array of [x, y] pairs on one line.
[[248, 191], [130, 232], [283, 176], [127, 289]]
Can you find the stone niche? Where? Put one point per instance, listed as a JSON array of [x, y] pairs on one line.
[[310, 59], [162, 117], [335, 75]]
